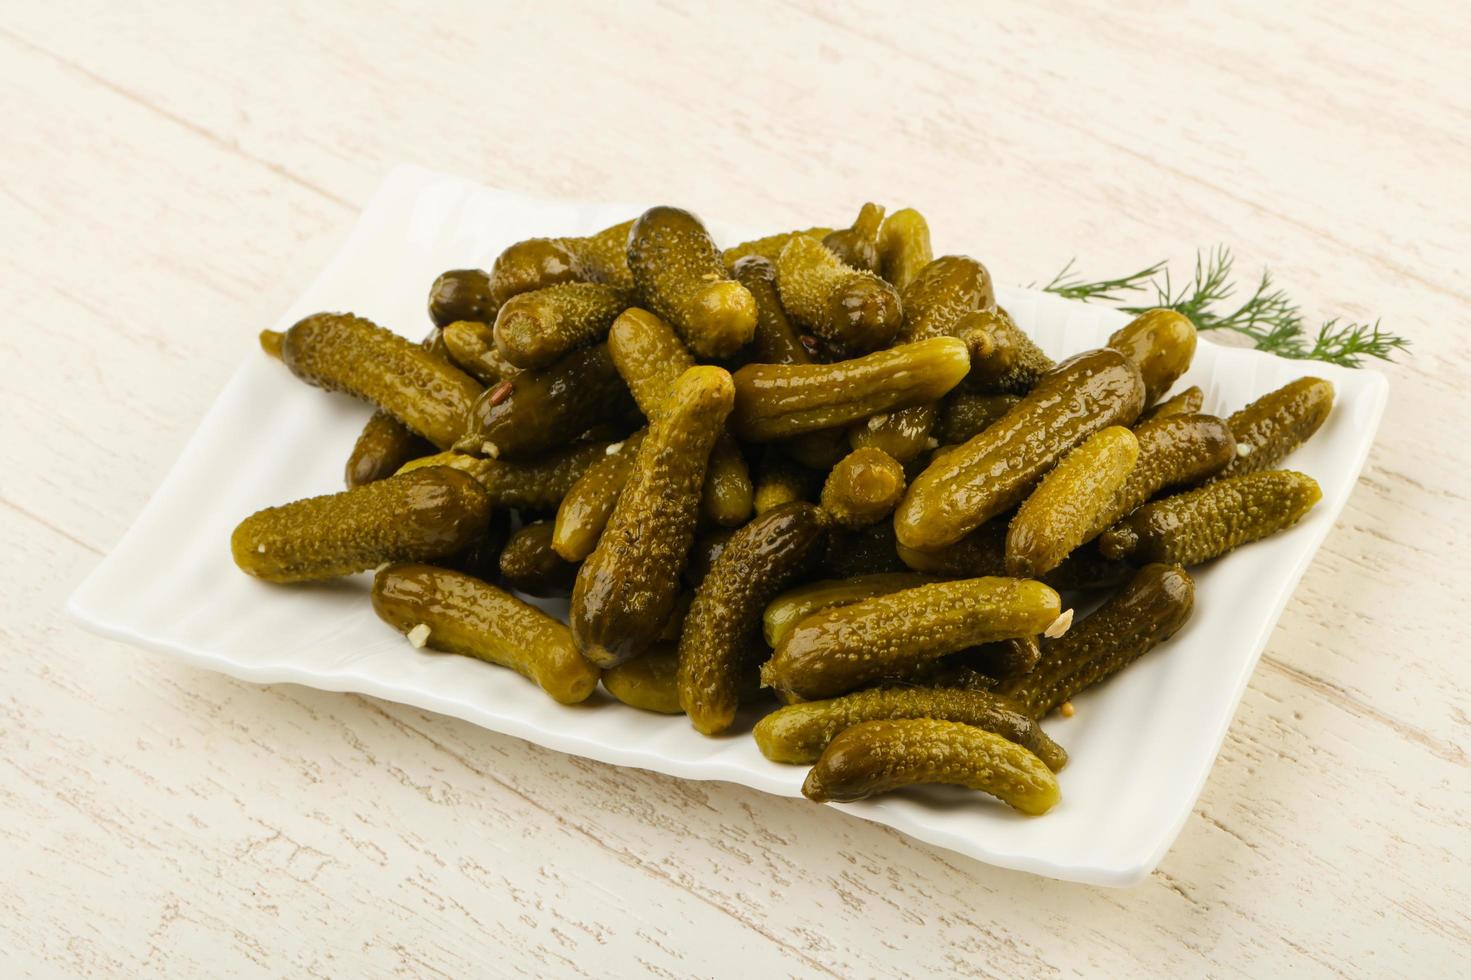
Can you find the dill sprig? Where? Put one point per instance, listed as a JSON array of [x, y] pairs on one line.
[[1267, 317]]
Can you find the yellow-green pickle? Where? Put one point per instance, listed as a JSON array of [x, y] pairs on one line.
[[904, 247], [649, 682], [863, 488], [839, 650], [430, 513], [448, 611], [944, 293], [1277, 423], [1150, 609], [798, 733], [787, 609], [774, 401], [1161, 343], [461, 294], [628, 585], [584, 511], [536, 484], [471, 348], [903, 434], [528, 563], [678, 274], [541, 262], [1187, 402], [852, 309], [340, 352], [982, 552], [995, 470], [1205, 523], [858, 245], [769, 247], [534, 329], [881, 756], [723, 626]]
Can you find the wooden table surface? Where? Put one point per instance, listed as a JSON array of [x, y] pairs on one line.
[[173, 174]]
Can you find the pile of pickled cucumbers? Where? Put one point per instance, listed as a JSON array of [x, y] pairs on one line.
[[820, 476]]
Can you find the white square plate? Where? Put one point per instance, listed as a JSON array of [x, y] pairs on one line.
[[1141, 745]]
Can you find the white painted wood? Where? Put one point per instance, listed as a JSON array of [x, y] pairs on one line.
[[173, 173]]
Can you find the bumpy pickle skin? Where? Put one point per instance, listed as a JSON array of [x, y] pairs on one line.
[[781, 480], [534, 330], [881, 756], [482, 557], [798, 733], [863, 552], [382, 447], [474, 619], [942, 296], [858, 245], [1277, 423], [1205, 523], [530, 265], [678, 274], [724, 622], [839, 650], [776, 340], [536, 484], [769, 247], [649, 682], [788, 608], [903, 433], [863, 488], [966, 414], [603, 257], [461, 294], [904, 247], [547, 408], [430, 513], [852, 309], [341, 352], [1014, 363], [584, 511], [470, 346], [996, 470], [628, 585], [1057, 516], [774, 401], [528, 564], [1187, 402], [1161, 343], [1150, 609], [983, 552]]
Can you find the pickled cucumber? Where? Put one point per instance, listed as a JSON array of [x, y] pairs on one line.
[[784, 612], [818, 450], [1058, 515], [781, 480], [530, 565], [455, 613], [471, 347], [1146, 612], [649, 682], [941, 297], [536, 484], [707, 547], [904, 247], [1187, 402], [728, 496], [382, 447], [881, 756], [482, 557], [678, 274], [1014, 362], [724, 623], [430, 513], [770, 246], [346, 353], [965, 414], [1205, 523], [628, 585], [863, 488], [530, 265], [776, 340], [533, 330], [983, 552], [1277, 423], [858, 246], [778, 400], [584, 511], [1161, 343], [798, 733], [461, 294], [903, 433], [852, 309], [996, 470], [836, 651]]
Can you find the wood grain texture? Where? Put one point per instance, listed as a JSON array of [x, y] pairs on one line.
[[176, 172]]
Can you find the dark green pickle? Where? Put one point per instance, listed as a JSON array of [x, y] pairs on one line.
[[776, 341], [584, 511], [819, 450], [781, 480], [1161, 343], [1143, 614], [863, 552], [482, 557], [704, 552], [983, 552], [678, 274], [420, 516], [965, 414], [1277, 423], [528, 563], [904, 433], [461, 294], [1014, 363], [1187, 402], [904, 247], [533, 330], [384, 445], [535, 484], [541, 262], [852, 309], [858, 246], [470, 346], [943, 295]]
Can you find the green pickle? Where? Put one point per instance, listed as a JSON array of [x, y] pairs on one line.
[[996, 470], [679, 275], [904, 247], [340, 352], [863, 488], [1056, 517], [903, 433], [770, 246], [724, 623], [943, 295], [774, 401], [541, 262], [470, 346], [482, 557], [456, 613], [776, 341], [548, 407], [584, 511], [1277, 423], [966, 414], [881, 756], [1207, 522], [536, 484], [798, 733], [649, 682], [461, 294], [1161, 343], [781, 480], [1150, 609], [852, 309], [528, 563], [729, 496], [819, 450], [430, 513], [839, 650], [784, 612], [627, 588], [533, 330], [382, 447], [703, 553], [1187, 402], [858, 245], [1013, 364], [982, 553]]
